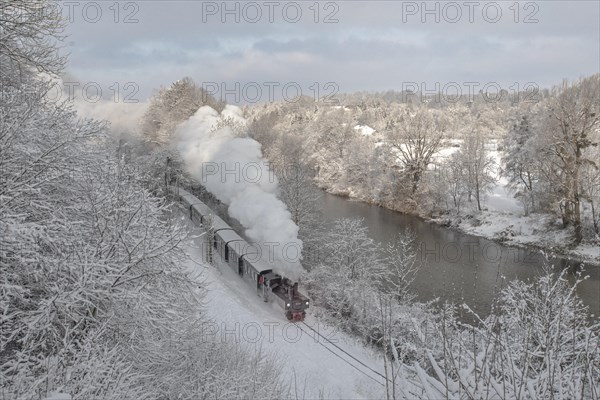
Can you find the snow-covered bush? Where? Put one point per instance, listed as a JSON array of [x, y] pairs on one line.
[[356, 278], [537, 343], [350, 269]]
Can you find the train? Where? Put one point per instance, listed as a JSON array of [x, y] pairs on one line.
[[244, 258]]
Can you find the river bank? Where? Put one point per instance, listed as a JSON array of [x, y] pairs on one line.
[[458, 266], [541, 233]]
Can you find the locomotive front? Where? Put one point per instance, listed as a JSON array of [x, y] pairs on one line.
[[296, 304]]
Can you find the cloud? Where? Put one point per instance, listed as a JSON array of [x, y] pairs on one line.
[[372, 47]]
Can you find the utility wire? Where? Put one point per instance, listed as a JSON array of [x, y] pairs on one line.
[[350, 355], [346, 361]]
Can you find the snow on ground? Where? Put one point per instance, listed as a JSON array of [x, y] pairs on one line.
[[444, 153], [502, 219], [538, 230], [500, 199], [239, 314], [59, 396], [364, 130], [589, 251], [522, 229]]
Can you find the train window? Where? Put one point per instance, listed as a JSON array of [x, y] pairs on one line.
[[226, 253], [215, 242]]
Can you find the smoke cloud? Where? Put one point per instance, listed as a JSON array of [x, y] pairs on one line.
[[234, 170]]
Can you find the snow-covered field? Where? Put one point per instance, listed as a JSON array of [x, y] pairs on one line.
[[238, 314]]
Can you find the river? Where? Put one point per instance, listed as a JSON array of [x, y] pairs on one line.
[[455, 266]]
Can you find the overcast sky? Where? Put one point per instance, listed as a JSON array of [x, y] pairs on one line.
[[357, 45]]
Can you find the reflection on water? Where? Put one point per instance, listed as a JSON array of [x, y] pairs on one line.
[[458, 267]]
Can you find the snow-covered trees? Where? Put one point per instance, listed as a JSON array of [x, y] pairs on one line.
[[287, 158], [551, 154], [96, 297], [429, 159], [28, 34], [350, 268], [354, 270], [89, 262], [299, 195], [590, 188], [171, 106], [416, 135], [474, 157], [520, 161], [52, 302], [454, 178], [570, 128]]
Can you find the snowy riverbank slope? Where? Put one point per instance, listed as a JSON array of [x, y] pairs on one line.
[[503, 219]]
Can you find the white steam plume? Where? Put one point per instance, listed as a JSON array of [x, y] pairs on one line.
[[233, 169]]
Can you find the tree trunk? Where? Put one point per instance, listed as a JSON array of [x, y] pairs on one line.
[[577, 223], [477, 192], [531, 192], [416, 179], [594, 219], [576, 199]]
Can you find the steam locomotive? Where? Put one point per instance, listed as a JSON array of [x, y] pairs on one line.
[[244, 259]]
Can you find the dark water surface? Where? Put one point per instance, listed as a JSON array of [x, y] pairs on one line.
[[456, 266]]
